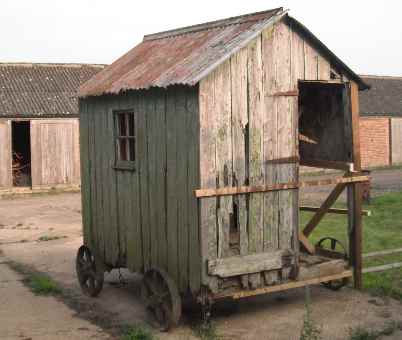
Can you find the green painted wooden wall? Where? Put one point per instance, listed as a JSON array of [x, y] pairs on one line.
[[146, 217]]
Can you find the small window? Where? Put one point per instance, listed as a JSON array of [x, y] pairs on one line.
[[125, 139]]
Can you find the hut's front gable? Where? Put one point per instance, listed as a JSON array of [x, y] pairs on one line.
[[251, 110]]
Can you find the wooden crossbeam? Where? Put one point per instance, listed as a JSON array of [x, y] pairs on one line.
[[323, 209], [317, 163], [333, 210], [281, 287], [241, 190]]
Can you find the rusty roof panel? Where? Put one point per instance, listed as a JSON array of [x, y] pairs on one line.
[[182, 56]]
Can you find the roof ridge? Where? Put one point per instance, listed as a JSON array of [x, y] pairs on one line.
[[210, 25], [372, 76], [29, 64]]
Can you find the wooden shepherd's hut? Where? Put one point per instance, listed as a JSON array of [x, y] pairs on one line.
[[190, 149]]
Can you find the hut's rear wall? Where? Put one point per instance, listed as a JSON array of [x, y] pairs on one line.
[[146, 217]]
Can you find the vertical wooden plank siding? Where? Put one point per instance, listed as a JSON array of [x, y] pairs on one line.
[[255, 112], [85, 171], [207, 207], [223, 154], [6, 180], [131, 211], [270, 140], [286, 136], [310, 62], [172, 185], [142, 148], [240, 123], [193, 184]]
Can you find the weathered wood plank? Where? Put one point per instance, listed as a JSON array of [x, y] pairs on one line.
[[270, 148], [181, 190], [255, 150], [142, 165], [208, 178], [282, 287], [133, 233], [222, 110], [153, 173], [109, 147], [85, 172], [193, 183], [200, 193], [239, 123], [310, 62], [160, 135], [247, 264], [333, 210], [171, 175], [318, 163], [328, 268]]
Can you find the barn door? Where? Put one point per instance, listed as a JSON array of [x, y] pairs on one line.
[[54, 152], [6, 180]]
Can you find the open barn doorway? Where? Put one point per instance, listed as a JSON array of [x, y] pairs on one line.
[[21, 153], [324, 125]]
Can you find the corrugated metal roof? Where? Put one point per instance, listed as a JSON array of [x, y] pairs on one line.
[[42, 89], [384, 98], [182, 56], [187, 55]]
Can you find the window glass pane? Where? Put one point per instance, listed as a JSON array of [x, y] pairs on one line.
[[123, 149], [132, 149], [131, 124], [122, 124]]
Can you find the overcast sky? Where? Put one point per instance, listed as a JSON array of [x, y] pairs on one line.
[[367, 35]]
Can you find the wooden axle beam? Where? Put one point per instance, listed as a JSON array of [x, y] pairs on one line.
[[281, 287]]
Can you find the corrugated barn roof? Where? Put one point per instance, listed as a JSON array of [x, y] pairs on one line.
[[42, 89], [185, 56], [180, 56]]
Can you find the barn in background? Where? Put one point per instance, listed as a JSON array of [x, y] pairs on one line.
[[381, 121], [39, 137]]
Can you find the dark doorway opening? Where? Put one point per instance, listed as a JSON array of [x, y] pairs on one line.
[[21, 152]]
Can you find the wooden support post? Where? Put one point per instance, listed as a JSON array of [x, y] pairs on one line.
[[355, 193]]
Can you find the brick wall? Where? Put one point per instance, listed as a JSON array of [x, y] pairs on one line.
[[374, 142]]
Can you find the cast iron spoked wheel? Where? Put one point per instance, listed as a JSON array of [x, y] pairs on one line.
[[334, 245], [161, 297], [90, 279]]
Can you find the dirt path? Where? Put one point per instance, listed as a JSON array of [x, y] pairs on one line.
[[26, 316], [277, 316]]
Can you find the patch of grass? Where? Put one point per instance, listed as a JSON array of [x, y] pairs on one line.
[[381, 231], [205, 331], [50, 238], [310, 330], [361, 333], [137, 332], [41, 284]]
